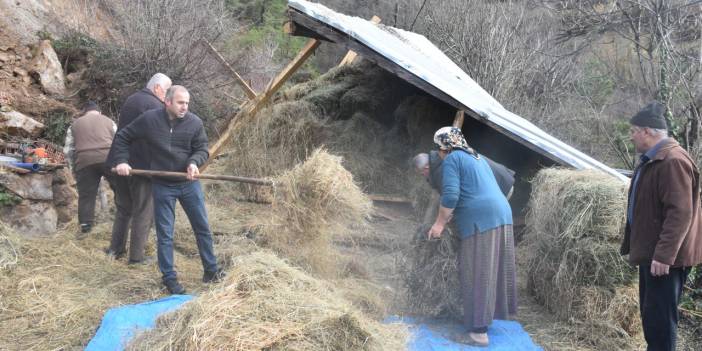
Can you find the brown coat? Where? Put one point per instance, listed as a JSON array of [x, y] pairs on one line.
[[665, 223], [92, 137]]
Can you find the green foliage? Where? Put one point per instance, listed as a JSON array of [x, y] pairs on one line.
[[7, 198], [266, 18], [57, 123], [74, 49]]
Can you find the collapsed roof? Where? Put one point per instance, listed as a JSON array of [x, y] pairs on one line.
[[415, 59]]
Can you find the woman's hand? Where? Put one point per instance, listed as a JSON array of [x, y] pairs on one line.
[[435, 231]]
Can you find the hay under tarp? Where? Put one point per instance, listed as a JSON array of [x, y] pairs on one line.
[[312, 203], [574, 226], [264, 303]]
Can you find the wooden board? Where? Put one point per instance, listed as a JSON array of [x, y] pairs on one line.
[[244, 86], [351, 55]]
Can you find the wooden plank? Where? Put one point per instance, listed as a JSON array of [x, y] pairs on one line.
[[458, 120], [389, 198], [249, 109], [368, 53], [351, 55], [247, 89]]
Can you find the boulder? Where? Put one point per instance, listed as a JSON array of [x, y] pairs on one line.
[[65, 196], [33, 186], [16, 123], [31, 218], [47, 66]]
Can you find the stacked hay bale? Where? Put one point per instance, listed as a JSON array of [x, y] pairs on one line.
[[266, 304], [574, 226], [313, 202]]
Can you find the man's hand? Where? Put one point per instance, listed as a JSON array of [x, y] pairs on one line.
[[193, 172], [435, 231], [123, 169], [658, 269]]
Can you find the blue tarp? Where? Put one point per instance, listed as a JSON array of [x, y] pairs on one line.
[[435, 335], [120, 324]]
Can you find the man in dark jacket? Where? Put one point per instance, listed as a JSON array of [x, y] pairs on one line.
[[133, 198], [662, 234], [429, 165], [178, 143]]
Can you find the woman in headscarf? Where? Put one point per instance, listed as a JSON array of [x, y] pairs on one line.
[[471, 198]]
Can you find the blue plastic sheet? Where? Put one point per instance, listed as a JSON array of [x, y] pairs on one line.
[[435, 335], [119, 325]]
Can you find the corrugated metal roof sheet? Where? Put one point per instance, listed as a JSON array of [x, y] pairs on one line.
[[417, 55]]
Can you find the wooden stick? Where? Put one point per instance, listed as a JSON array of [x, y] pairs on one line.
[[247, 89], [458, 120], [351, 55], [249, 109], [389, 198], [256, 181]]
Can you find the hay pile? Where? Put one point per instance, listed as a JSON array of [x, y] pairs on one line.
[[313, 202], [266, 304], [8, 247], [575, 224], [431, 277]]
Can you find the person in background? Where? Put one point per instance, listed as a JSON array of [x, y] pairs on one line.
[[482, 217], [133, 198], [178, 143], [662, 233], [86, 147]]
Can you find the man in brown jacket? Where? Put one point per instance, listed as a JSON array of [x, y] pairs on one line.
[[87, 144], [662, 234]]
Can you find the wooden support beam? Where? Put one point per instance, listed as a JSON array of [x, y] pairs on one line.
[[351, 55], [458, 120], [250, 108], [247, 89]]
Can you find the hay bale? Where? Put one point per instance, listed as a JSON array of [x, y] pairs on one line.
[[266, 304], [313, 202], [574, 226], [431, 277], [9, 256]]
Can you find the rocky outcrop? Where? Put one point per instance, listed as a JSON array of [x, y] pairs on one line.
[[31, 218], [47, 66], [65, 195], [16, 123], [29, 186]]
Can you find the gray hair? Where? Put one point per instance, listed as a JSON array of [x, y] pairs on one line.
[[172, 90], [659, 133], [159, 79], [420, 160]]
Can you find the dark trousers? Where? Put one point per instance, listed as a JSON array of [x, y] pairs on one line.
[[191, 198], [88, 181], [135, 209], [658, 301]]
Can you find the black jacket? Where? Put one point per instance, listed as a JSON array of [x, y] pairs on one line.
[[174, 144], [136, 104], [503, 175]]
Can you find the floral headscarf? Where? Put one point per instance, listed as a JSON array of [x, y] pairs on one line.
[[448, 138]]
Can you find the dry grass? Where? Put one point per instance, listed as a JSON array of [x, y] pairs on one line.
[[575, 223], [8, 247], [431, 277], [266, 304], [313, 203]]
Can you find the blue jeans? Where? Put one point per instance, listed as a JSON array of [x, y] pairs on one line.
[[191, 198]]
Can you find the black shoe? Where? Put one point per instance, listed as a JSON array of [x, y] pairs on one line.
[[86, 227], [213, 277], [146, 261], [115, 254], [174, 287]]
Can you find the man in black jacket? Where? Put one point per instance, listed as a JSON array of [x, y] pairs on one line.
[[178, 143], [133, 198]]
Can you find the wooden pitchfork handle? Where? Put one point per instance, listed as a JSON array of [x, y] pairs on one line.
[[257, 181]]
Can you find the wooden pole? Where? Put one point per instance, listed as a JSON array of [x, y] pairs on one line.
[[249, 109], [256, 181], [351, 55], [247, 89], [458, 120]]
